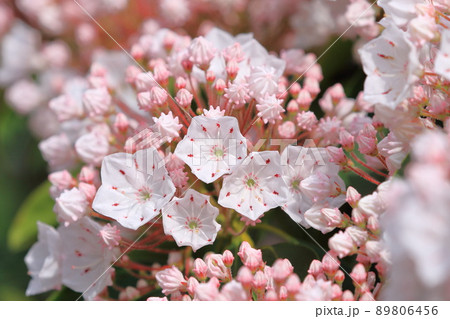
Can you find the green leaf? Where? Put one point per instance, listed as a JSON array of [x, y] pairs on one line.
[[37, 207]]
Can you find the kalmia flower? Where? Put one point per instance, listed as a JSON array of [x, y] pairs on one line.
[[191, 220], [255, 186], [212, 147], [134, 187]]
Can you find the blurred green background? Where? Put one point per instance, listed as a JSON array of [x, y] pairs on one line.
[[22, 169]]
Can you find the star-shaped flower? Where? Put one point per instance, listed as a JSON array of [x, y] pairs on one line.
[[191, 220], [256, 186], [212, 147], [134, 187]]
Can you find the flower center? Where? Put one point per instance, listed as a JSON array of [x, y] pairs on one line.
[[144, 195], [251, 181], [217, 152], [295, 185], [193, 224]]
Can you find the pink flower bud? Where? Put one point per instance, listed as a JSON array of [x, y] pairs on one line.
[[367, 296], [292, 106], [259, 281], [62, 180], [315, 72], [157, 299], [220, 86], [66, 108], [121, 123], [180, 83], [207, 291], [373, 225], [137, 52], [304, 99], [306, 120], [232, 69], [333, 216], [295, 90], [161, 74], [342, 244], [97, 101], [171, 280], [347, 296], [312, 86], [131, 73], [283, 294], [287, 129], [93, 146], [158, 96], [352, 196], [337, 155], [216, 267], [271, 295], [234, 52], [281, 269], [251, 258], [358, 217], [336, 93], [88, 174], [144, 81], [210, 76], [228, 258], [330, 264], [70, 206], [110, 235], [292, 285], [169, 41], [346, 140], [358, 235], [187, 65], [367, 140], [359, 274], [315, 268], [339, 276], [201, 52], [184, 98], [88, 191], [422, 29], [336, 292], [192, 285], [245, 277], [373, 250]]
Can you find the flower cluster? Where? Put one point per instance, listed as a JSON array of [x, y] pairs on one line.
[[212, 279]]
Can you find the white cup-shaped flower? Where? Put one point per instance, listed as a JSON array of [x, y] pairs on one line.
[[313, 181], [44, 261], [212, 147], [191, 220], [255, 186], [134, 187], [86, 260]]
